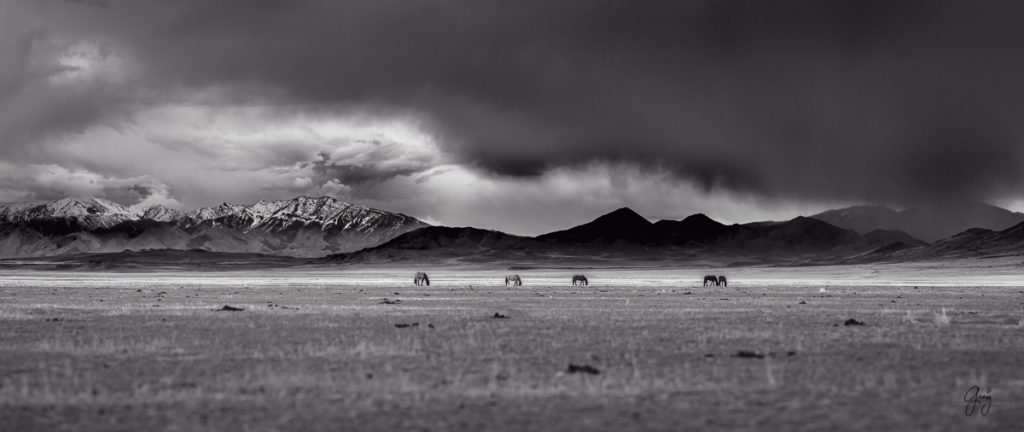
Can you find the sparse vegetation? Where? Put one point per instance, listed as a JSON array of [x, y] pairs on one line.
[[639, 357]]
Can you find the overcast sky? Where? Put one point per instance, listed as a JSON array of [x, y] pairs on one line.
[[524, 116]]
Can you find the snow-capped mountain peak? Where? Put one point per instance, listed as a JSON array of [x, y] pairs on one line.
[[302, 226], [86, 207], [161, 213], [210, 213], [327, 213], [89, 212]]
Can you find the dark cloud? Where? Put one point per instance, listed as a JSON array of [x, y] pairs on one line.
[[843, 100]]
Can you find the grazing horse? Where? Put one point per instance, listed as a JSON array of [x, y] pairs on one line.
[[421, 279], [579, 279], [514, 279], [722, 281], [710, 280]]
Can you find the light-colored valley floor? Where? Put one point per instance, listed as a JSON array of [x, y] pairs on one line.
[[321, 349]]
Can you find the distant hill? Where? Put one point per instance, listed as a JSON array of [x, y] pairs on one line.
[[624, 226], [694, 229], [620, 225], [930, 223], [882, 237], [863, 219], [800, 234], [625, 235], [444, 243], [980, 242], [971, 243]]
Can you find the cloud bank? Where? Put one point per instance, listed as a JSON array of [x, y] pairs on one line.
[[742, 109]]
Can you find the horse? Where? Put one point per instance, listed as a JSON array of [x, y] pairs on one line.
[[421, 279], [514, 279], [722, 281], [580, 279], [710, 279]]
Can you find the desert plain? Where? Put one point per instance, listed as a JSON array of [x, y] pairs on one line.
[[640, 348]]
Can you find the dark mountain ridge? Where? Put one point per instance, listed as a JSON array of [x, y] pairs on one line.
[[624, 234], [623, 224], [437, 243], [321, 226]]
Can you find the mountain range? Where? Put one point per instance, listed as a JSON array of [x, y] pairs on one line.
[[303, 227], [334, 231], [624, 235], [930, 223]]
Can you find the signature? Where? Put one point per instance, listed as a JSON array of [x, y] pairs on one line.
[[977, 402]]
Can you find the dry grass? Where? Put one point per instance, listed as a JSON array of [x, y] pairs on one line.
[[139, 359]]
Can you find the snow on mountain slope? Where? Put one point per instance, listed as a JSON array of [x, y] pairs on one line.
[[161, 213], [325, 213], [211, 213], [304, 226], [90, 213]]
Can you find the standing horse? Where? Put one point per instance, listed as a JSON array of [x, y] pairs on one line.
[[514, 279], [722, 281], [421, 279], [580, 279], [710, 280]]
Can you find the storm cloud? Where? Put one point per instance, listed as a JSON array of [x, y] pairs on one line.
[[802, 102]]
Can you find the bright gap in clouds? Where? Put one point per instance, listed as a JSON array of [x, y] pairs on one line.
[[563, 197], [201, 147], [200, 155], [82, 62], [211, 154]]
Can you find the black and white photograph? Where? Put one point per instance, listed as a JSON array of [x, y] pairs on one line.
[[511, 215]]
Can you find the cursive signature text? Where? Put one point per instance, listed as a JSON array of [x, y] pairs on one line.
[[976, 401]]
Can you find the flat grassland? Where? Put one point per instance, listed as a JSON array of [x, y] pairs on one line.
[[364, 349]]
